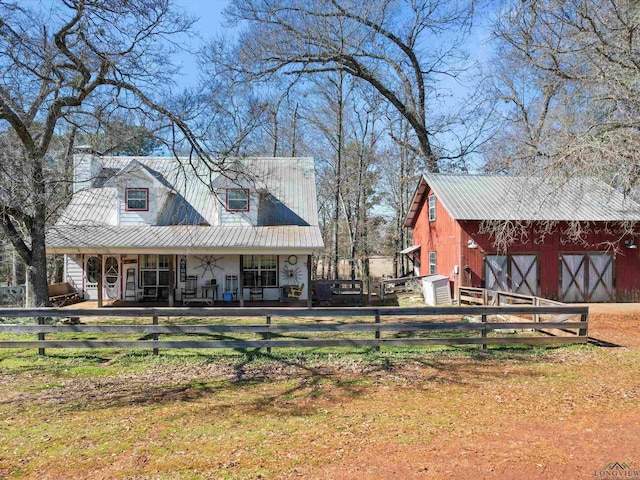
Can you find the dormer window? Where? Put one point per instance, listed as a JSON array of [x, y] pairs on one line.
[[237, 200], [137, 199]]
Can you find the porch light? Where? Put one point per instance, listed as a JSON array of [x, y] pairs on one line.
[[472, 244], [630, 243]]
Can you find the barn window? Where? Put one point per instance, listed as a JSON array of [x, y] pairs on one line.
[[137, 199], [432, 208], [238, 200], [432, 263]]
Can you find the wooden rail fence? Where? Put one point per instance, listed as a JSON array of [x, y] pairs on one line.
[[392, 285], [12, 296], [325, 290], [376, 321]]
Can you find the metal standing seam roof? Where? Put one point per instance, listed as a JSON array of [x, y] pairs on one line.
[[69, 239], [501, 197], [90, 219]]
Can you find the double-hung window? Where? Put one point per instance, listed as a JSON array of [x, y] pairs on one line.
[[260, 271], [154, 270], [137, 199], [432, 208], [237, 200], [432, 263]]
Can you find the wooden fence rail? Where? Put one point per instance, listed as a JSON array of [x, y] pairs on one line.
[[327, 320], [391, 285], [325, 290]]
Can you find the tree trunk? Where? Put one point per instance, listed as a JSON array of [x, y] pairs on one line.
[[36, 271], [338, 193]]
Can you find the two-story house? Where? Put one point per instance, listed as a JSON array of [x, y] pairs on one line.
[[162, 229]]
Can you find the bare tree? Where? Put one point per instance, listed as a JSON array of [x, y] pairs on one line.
[[570, 80], [397, 47], [567, 76], [56, 65]]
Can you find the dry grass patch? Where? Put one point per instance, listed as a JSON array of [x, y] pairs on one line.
[[510, 413]]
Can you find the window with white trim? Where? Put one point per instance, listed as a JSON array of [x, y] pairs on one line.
[[432, 263], [137, 199], [154, 270], [237, 200], [432, 208], [260, 270]]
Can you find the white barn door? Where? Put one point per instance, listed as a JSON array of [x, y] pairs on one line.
[[587, 278], [512, 273]]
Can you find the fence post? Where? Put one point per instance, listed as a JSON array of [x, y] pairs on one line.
[[485, 296], [536, 303], [268, 335], [484, 330], [377, 321], [41, 336], [155, 335], [583, 332]]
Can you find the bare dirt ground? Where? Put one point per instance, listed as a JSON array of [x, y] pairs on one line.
[[555, 413]]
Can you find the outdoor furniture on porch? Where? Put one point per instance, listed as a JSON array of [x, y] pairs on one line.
[[190, 289], [150, 294], [231, 285], [295, 292], [256, 293], [210, 285]]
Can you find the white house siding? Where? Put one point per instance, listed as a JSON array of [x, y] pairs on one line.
[[73, 271], [249, 218]]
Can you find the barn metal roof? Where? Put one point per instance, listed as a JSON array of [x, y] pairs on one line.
[[180, 238], [501, 197]]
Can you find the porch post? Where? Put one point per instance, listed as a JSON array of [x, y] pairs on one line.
[[241, 282], [100, 282], [172, 286], [309, 266]]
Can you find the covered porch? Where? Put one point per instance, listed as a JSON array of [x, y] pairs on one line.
[[191, 279]]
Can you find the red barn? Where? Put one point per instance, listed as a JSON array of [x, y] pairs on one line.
[[450, 214]]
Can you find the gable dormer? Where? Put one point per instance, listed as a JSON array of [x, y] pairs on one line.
[[238, 205], [238, 200], [142, 194]]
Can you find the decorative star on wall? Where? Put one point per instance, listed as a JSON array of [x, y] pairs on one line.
[[208, 263], [290, 274]]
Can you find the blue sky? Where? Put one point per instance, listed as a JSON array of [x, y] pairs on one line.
[[209, 24]]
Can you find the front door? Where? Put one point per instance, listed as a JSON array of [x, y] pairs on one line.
[[587, 278], [512, 273], [91, 272]]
